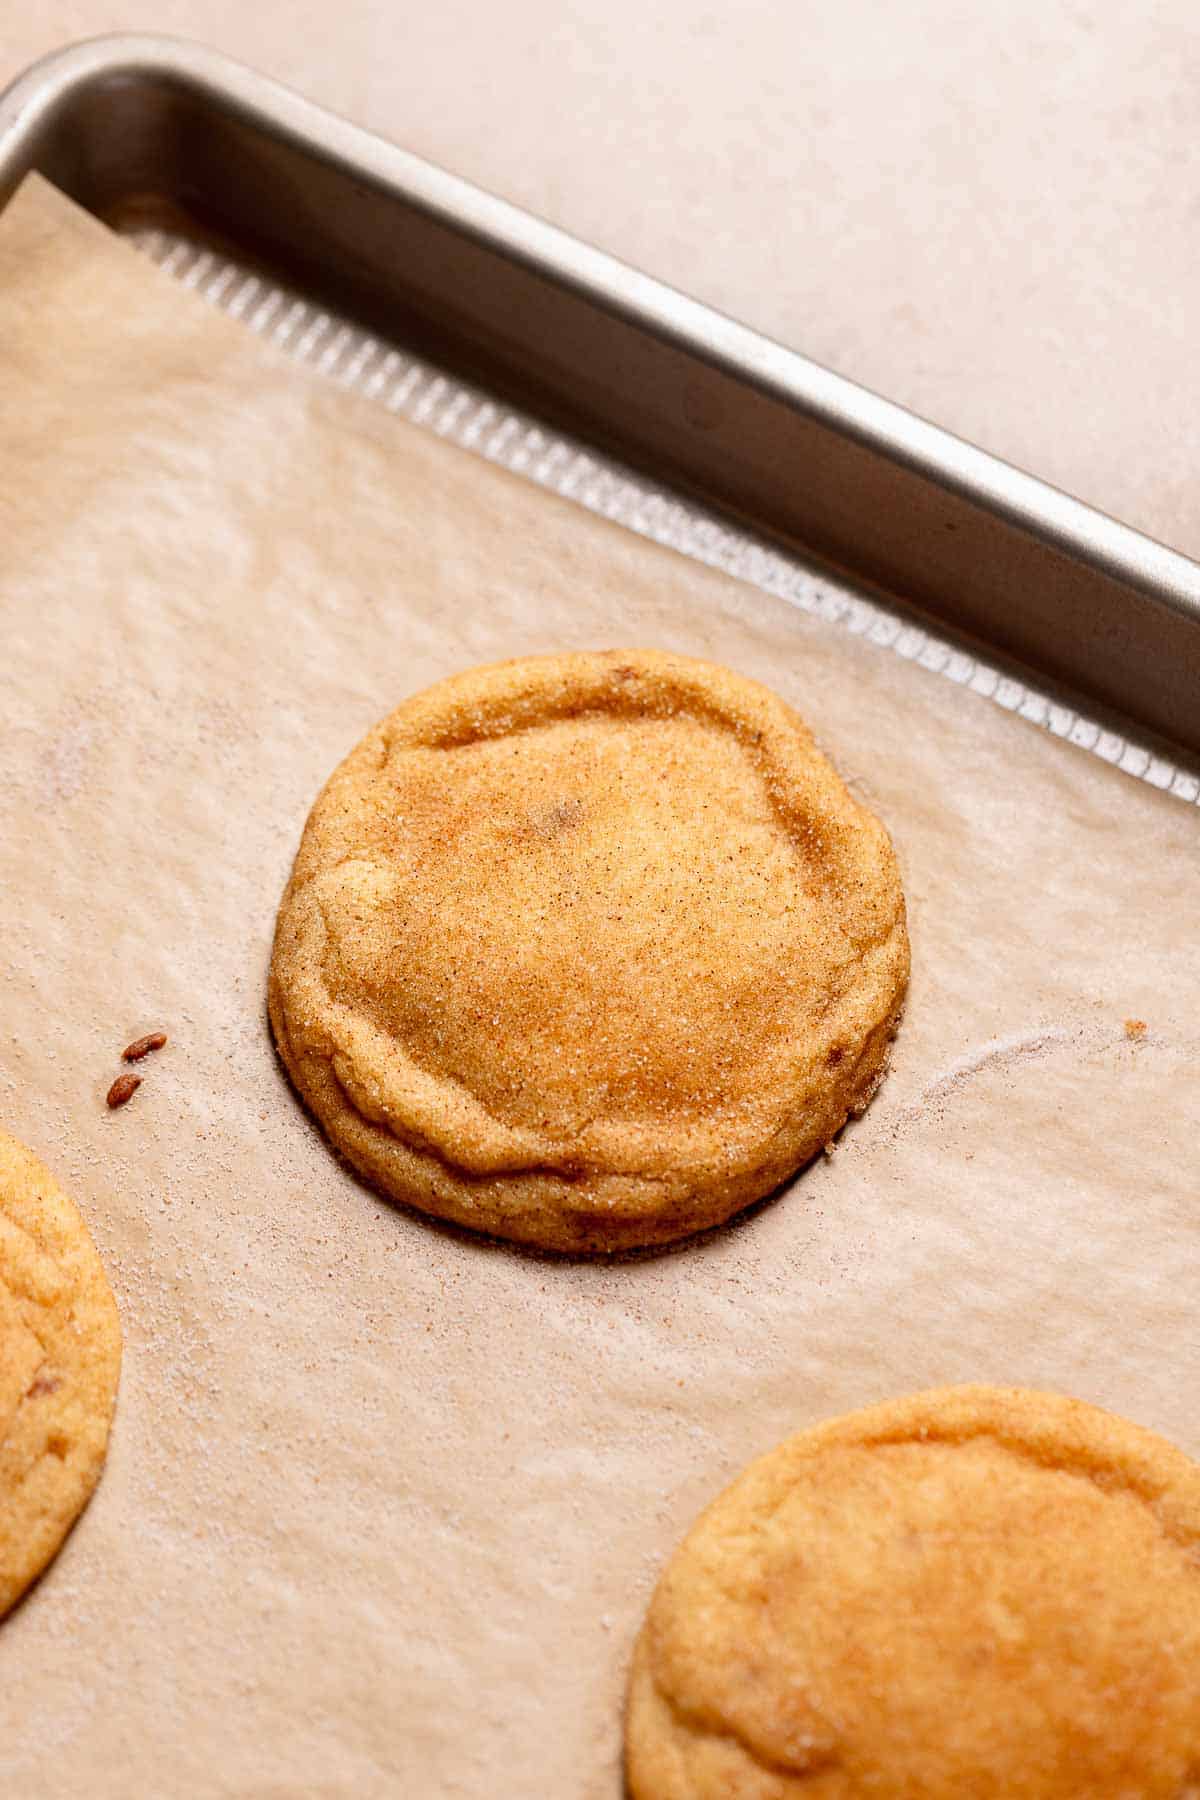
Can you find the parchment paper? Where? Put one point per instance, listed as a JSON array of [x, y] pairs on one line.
[[384, 1503]]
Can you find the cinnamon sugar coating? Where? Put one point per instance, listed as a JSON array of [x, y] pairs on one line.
[[588, 951]]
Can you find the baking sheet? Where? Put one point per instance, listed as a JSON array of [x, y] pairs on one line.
[[384, 1503], [388, 373]]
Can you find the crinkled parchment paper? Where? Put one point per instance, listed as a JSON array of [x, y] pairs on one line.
[[384, 1504]]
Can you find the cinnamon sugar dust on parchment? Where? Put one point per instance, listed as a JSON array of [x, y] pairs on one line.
[[384, 1503]]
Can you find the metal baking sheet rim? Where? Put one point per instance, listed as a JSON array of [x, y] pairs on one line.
[[1093, 607]]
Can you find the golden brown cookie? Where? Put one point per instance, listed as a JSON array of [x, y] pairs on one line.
[[589, 950], [973, 1594], [60, 1357]]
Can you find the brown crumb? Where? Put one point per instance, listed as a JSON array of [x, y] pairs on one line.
[[123, 1089], [1135, 1030], [835, 1056], [44, 1384], [153, 1040]]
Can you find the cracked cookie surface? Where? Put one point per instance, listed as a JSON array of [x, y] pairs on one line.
[[588, 951], [976, 1591], [60, 1358]]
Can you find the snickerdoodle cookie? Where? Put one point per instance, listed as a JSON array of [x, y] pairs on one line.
[[589, 950], [60, 1356], [978, 1592]]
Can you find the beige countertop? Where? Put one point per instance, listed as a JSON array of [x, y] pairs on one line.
[[990, 213]]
